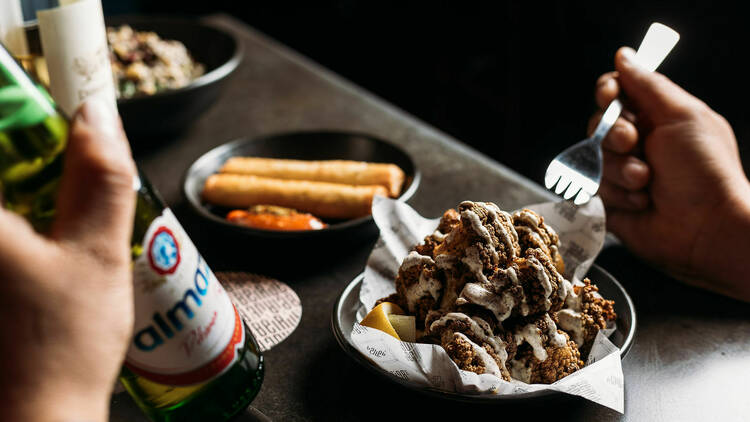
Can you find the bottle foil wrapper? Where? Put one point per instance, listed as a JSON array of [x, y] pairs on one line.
[[74, 40], [581, 231]]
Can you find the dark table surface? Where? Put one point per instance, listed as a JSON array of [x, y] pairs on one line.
[[691, 357]]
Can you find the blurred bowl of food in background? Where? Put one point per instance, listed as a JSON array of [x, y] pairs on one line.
[[167, 71]]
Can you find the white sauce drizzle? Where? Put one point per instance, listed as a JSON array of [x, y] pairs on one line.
[[531, 334], [474, 262], [537, 238], [507, 230], [555, 339], [500, 305], [565, 289], [572, 300], [425, 286], [444, 262], [551, 231], [438, 235], [510, 273], [527, 217], [541, 276], [476, 224], [490, 366], [572, 323], [524, 306], [479, 328], [414, 259]]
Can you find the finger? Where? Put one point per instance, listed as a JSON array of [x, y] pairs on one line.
[[651, 93], [622, 138], [625, 171], [615, 197], [629, 116], [96, 200], [607, 89], [19, 243], [627, 225]]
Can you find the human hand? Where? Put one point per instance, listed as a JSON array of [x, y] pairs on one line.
[[66, 299], [673, 184]]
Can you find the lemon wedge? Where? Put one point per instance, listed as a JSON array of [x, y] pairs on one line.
[[405, 326], [377, 318]]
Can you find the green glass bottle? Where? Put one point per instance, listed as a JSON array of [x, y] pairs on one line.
[[192, 358]]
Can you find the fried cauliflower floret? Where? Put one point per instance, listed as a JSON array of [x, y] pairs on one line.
[[544, 353], [448, 222], [486, 229], [418, 285], [533, 233], [542, 284], [472, 344], [585, 314], [560, 362]]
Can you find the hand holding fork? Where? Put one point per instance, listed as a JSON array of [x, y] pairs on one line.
[[576, 172]]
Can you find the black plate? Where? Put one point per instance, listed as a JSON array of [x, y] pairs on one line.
[[304, 146], [348, 304], [175, 110]]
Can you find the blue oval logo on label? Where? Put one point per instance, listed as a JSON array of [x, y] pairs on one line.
[[164, 251]]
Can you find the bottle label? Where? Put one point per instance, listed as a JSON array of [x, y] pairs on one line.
[[186, 329]]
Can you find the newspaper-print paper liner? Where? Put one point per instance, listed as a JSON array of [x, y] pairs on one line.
[[270, 307], [581, 231]]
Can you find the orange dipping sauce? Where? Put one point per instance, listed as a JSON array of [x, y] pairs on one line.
[[291, 221]]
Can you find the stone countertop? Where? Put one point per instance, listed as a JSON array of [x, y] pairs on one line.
[[691, 357]]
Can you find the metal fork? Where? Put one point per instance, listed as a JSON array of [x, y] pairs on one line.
[[577, 171]]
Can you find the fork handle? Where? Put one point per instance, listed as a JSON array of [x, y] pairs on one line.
[[608, 120], [656, 45]]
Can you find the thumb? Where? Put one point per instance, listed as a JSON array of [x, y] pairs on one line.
[[651, 93], [96, 201]]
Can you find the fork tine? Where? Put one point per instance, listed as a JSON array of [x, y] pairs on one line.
[[550, 179], [572, 190], [582, 197], [562, 184]]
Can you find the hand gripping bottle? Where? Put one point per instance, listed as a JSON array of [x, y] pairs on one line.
[[191, 357]]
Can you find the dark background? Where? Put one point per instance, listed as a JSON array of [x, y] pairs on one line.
[[513, 79]]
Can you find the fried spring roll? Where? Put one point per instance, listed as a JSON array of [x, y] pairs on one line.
[[328, 200], [334, 171]]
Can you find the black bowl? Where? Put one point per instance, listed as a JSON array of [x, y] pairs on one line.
[[347, 307], [303, 146], [171, 111]]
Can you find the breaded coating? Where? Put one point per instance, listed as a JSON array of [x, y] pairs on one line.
[[476, 332], [560, 362], [586, 313], [418, 285], [545, 353], [533, 233], [465, 355], [485, 227], [470, 356], [597, 312], [541, 282], [448, 222]]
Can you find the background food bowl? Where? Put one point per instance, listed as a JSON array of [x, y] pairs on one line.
[[315, 145], [172, 111]]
